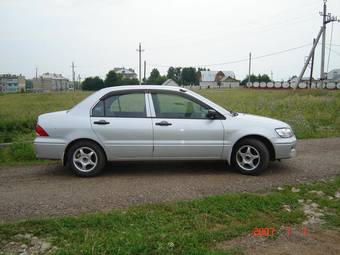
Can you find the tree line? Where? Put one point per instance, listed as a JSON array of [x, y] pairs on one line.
[[183, 76]]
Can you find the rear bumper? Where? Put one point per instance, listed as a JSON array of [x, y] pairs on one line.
[[285, 149], [47, 148]]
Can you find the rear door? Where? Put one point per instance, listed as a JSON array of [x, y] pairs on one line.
[[183, 130], [121, 122]]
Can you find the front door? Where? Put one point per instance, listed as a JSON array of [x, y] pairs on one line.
[[183, 130], [120, 121]]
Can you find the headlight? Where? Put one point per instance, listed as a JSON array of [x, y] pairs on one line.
[[284, 132]]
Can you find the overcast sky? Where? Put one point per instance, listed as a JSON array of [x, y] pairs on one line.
[[99, 35]]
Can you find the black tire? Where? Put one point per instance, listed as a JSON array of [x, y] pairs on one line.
[[86, 146], [256, 147]]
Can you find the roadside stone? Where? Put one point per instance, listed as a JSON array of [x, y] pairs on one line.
[[337, 194], [45, 246], [319, 193], [287, 208], [28, 236], [19, 236], [295, 190], [23, 246], [314, 205], [330, 198], [301, 201], [280, 188]]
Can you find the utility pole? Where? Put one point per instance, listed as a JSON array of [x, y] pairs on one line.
[[271, 75], [36, 72], [73, 77], [249, 71], [311, 68], [140, 62], [310, 56], [327, 18], [324, 15], [144, 71], [79, 81]]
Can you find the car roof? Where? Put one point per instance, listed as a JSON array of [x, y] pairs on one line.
[[84, 106], [141, 87]]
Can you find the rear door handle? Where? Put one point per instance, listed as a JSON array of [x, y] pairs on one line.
[[101, 122], [163, 123]]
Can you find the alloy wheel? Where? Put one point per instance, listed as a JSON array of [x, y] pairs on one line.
[[248, 157], [85, 159]]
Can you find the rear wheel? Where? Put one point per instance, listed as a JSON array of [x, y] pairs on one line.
[[250, 156], [85, 158]]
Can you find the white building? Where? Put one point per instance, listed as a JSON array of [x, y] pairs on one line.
[[126, 73], [51, 82], [12, 83], [214, 79], [334, 75], [170, 82]]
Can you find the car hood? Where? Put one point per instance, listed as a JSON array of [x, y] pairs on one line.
[[260, 120]]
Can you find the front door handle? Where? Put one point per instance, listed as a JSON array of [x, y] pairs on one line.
[[163, 123], [101, 122]]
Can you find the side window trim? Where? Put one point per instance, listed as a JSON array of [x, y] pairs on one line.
[[220, 116], [119, 93]]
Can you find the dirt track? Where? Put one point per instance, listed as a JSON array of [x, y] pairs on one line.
[[51, 190]]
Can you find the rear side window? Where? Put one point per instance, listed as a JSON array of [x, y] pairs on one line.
[[98, 110], [126, 105]]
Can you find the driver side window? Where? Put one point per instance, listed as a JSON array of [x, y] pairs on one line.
[[177, 107]]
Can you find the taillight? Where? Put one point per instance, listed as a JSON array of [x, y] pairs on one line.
[[40, 131]]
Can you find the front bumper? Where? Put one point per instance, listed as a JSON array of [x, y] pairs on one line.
[[48, 148], [285, 148]]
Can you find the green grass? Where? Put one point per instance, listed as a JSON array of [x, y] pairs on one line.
[[190, 227], [312, 114], [19, 112]]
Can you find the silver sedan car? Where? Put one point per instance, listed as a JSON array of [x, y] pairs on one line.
[[139, 123]]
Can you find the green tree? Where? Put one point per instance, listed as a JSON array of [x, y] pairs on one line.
[[174, 74], [133, 81], [264, 78], [155, 78], [29, 84], [92, 83], [112, 79], [188, 76], [254, 78]]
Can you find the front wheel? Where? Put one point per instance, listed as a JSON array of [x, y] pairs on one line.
[[86, 159], [250, 157]]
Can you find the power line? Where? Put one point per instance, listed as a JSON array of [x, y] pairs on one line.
[[247, 59], [338, 53]]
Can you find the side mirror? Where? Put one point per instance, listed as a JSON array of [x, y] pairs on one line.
[[212, 114]]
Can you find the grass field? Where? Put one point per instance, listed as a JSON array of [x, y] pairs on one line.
[[312, 114], [189, 227]]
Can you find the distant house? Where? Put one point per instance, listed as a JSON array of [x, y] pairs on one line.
[[208, 79], [170, 82], [229, 82], [126, 73], [334, 75], [294, 79], [51, 82], [211, 79], [12, 83]]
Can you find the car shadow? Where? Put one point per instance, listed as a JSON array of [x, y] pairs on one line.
[[161, 168]]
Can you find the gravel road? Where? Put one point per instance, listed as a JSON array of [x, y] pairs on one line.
[[51, 190]]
